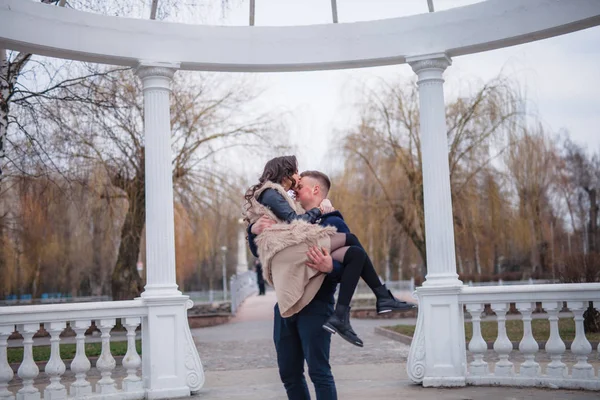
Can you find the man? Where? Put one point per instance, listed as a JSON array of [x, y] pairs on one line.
[[302, 337]]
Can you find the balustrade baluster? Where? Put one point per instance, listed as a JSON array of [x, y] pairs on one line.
[[132, 361], [502, 345], [106, 362], [80, 364], [528, 345], [55, 367], [6, 372], [555, 345], [581, 347], [477, 344], [28, 370]]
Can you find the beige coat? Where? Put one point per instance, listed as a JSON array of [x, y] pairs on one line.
[[282, 251]]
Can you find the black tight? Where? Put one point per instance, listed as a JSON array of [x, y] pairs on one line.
[[346, 248]]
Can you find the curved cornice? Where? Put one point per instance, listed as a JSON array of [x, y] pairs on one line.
[[65, 33]]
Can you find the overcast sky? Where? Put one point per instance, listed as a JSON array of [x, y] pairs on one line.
[[560, 76]]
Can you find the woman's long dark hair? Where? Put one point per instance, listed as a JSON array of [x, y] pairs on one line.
[[276, 170]]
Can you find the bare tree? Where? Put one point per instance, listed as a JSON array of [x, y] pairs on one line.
[[207, 118], [390, 118]]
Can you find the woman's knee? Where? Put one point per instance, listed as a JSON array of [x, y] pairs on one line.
[[352, 240], [356, 253]]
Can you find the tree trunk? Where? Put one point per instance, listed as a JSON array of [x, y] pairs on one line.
[[126, 281], [593, 223]]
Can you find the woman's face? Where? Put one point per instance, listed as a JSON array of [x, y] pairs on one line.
[[287, 184]]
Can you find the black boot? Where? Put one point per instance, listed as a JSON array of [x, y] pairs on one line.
[[386, 302], [339, 322]]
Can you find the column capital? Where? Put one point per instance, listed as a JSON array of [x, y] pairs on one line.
[[147, 69], [439, 61]]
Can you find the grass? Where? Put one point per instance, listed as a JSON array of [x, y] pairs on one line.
[[514, 330], [67, 351]]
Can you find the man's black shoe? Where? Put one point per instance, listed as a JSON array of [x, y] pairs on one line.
[[339, 323], [386, 302]]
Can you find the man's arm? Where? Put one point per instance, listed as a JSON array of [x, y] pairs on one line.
[[321, 260]]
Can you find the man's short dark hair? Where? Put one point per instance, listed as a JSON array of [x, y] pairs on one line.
[[321, 178]]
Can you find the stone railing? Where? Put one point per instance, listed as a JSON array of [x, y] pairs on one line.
[[576, 297], [141, 379], [241, 286]]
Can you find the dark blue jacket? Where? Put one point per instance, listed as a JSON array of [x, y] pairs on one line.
[[332, 279]]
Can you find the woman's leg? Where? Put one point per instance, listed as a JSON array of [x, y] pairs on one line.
[[351, 257], [341, 241]]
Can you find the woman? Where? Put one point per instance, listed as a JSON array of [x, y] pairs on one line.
[[282, 249]]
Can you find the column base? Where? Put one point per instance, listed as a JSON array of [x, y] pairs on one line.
[[160, 291], [446, 280], [170, 393], [445, 381]]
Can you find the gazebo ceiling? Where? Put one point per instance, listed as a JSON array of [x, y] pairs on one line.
[[65, 33]]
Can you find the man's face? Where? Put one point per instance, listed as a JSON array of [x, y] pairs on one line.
[[305, 192]]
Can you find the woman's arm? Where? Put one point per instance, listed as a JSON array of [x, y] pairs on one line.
[[282, 209]]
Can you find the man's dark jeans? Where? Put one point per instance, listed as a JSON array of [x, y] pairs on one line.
[[302, 337]]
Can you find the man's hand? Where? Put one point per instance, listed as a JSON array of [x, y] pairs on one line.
[[326, 206], [263, 223], [319, 259]]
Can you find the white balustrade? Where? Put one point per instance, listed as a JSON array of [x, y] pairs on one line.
[[6, 372], [55, 367], [555, 345], [80, 364], [528, 345], [502, 345], [477, 344], [132, 360], [242, 285], [28, 370], [584, 375], [106, 362], [79, 316], [581, 347]]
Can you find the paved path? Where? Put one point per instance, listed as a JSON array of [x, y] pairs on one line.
[[239, 361]]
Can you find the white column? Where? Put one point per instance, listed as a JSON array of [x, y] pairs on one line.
[[435, 360], [160, 226], [439, 228], [168, 371], [242, 258]]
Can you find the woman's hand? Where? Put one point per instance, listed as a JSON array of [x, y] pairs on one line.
[[326, 206], [263, 223]]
